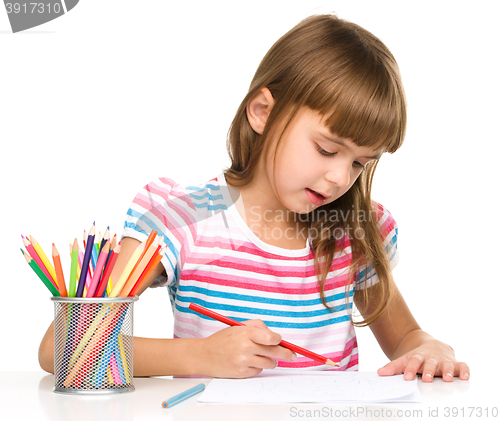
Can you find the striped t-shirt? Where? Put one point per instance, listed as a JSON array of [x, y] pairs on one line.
[[215, 260]]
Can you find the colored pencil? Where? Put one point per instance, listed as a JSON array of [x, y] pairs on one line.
[[86, 260], [143, 282], [34, 255], [59, 272], [105, 239], [98, 271], [44, 259], [74, 269], [41, 275], [292, 347], [183, 396], [90, 273], [126, 272], [136, 273], [107, 272], [95, 345]]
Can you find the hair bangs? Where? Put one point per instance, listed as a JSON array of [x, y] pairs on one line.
[[360, 95]]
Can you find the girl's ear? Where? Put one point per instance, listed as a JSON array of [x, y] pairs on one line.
[[259, 108]]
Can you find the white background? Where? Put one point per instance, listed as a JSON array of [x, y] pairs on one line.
[[100, 101]]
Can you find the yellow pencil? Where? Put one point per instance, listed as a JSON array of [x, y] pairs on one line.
[[44, 259], [123, 357], [126, 272]]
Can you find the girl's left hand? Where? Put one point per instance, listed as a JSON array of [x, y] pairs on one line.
[[432, 358]]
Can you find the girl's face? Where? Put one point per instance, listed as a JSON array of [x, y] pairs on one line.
[[313, 166]]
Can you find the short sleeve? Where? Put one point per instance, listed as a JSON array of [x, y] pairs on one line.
[[366, 276], [164, 206]]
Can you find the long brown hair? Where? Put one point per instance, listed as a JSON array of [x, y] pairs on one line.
[[349, 76]]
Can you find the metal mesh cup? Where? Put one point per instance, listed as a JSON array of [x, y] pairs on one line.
[[93, 345]]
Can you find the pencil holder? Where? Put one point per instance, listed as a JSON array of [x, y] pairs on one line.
[[93, 345]]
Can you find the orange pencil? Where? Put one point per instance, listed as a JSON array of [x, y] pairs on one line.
[[141, 284], [59, 272]]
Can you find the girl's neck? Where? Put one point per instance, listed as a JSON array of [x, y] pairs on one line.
[[268, 219]]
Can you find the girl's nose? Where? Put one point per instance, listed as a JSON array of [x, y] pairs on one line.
[[340, 175]]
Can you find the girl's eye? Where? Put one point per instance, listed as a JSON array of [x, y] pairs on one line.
[[358, 165], [355, 164], [323, 152]]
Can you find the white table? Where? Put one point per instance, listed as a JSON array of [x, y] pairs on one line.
[[29, 396]]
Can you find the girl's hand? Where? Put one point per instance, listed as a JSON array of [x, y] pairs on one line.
[[242, 351], [432, 358]]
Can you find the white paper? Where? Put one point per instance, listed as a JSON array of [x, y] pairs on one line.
[[287, 386]]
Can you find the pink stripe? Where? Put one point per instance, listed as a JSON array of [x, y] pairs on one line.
[[245, 247], [188, 333], [302, 362], [258, 285], [173, 226], [304, 336], [207, 327], [266, 268], [167, 194]]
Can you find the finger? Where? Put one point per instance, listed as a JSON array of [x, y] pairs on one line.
[[413, 365], [255, 323], [394, 367], [263, 362], [429, 370], [447, 370], [263, 336], [276, 352], [462, 370]]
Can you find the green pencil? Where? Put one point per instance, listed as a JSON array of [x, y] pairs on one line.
[[41, 275], [74, 269]]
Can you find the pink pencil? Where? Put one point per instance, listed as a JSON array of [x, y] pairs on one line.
[[103, 255]]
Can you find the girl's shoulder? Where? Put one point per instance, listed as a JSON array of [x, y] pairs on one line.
[[188, 204], [386, 223]]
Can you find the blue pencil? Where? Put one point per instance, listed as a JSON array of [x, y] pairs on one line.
[[86, 261], [183, 396]]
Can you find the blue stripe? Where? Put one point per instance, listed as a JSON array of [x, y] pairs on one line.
[[257, 299], [196, 188], [262, 311], [207, 194], [269, 323], [220, 206]]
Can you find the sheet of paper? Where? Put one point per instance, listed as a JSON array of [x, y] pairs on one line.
[[275, 386]]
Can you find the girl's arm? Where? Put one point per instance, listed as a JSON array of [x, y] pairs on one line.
[[410, 349]]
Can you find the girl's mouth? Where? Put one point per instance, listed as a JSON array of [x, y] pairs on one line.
[[315, 198]]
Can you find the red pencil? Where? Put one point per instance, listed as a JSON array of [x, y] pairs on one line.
[[107, 272], [284, 344]]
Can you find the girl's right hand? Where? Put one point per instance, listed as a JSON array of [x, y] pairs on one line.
[[242, 351]]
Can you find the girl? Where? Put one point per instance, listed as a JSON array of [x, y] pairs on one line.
[[288, 237]]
